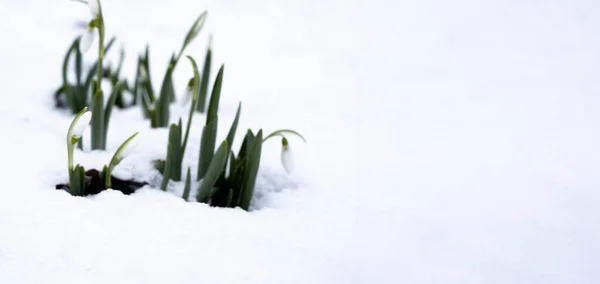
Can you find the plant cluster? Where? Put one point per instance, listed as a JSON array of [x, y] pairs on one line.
[[225, 178]]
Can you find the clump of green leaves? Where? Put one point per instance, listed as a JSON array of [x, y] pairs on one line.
[[218, 184], [157, 108]]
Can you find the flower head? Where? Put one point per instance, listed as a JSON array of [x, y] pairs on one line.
[[80, 124], [127, 146], [287, 157], [86, 40], [94, 8]]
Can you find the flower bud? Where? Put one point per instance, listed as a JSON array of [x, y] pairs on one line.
[[94, 8], [128, 147], [86, 40], [80, 125], [287, 157]]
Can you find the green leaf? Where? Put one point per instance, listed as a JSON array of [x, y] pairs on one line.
[[251, 171], [232, 167], [239, 167], [194, 30], [77, 181], [137, 82], [65, 67], [233, 129], [213, 106], [109, 106], [98, 122], [175, 152], [159, 165], [167, 172], [207, 147], [188, 185], [78, 66], [214, 171], [164, 100], [205, 81]]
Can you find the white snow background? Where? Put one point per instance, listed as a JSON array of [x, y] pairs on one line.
[[448, 142]]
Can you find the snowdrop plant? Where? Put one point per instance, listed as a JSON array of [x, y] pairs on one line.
[[76, 129], [77, 178], [74, 95], [100, 112], [218, 184]]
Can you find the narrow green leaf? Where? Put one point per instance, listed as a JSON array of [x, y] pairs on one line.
[[159, 165], [205, 81], [240, 168], [77, 181], [167, 172], [175, 152], [98, 122], [65, 67], [148, 80], [231, 164], [109, 107], [194, 30], [214, 171], [251, 171], [136, 83], [164, 99], [233, 129], [228, 201], [78, 66], [207, 147], [188, 185], [213, 106]]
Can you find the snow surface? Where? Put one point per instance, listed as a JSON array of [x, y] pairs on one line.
[[448, 142]]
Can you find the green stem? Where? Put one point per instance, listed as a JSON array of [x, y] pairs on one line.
[[101, 47]]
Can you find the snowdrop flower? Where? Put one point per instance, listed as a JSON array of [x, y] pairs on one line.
[[124, 150], [80, 124], [287, 157], [128, 147], [76, 129], [188, 92], [94, 8], [87, 37], [86, 40]]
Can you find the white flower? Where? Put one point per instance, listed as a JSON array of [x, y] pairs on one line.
[[94, 8], [128, 146], [86, 40], [81, 124], [287, 157]]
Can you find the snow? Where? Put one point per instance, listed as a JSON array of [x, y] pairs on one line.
[[448, 142]]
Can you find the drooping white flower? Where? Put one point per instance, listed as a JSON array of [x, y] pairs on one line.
[[94, 8], [86, 40], [287, 157], [128, 147], [188, 92], [81, 124]]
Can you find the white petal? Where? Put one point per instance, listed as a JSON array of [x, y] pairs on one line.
[[187, 96], [86, 40], [128, 147], [81, 124], [287, 159], [94, 8]]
